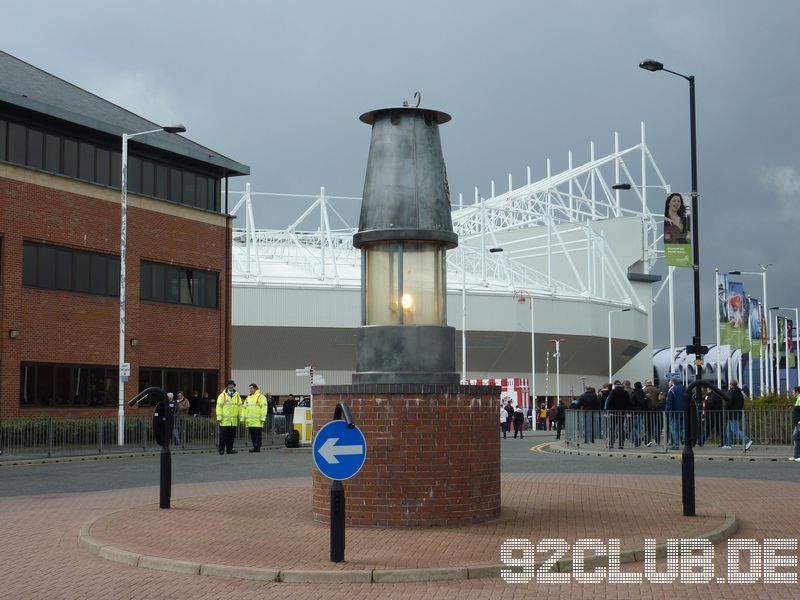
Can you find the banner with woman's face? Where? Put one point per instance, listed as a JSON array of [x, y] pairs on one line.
[[677, 238]]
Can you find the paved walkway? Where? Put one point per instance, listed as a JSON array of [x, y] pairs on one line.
[[267, 524]]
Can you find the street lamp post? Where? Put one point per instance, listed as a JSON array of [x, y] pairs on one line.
[[557, 354], [687, 460], [611, 312], [796, 342], [763, 275], [123, 237], [521, 297]]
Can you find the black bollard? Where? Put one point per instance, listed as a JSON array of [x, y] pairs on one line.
[[687, 460], [337, 522], [165, 488]]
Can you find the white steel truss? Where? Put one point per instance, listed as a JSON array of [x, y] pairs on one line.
[[551, 232]]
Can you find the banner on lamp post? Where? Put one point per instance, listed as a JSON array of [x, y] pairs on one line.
[[755, 321], [738, 316], [677, 235]]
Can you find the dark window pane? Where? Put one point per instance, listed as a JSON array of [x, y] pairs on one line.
[[61, 389], [16, 143], [70, 163], [175, 185], [64, 270], [186, 286], [52, 153], [85, 161], [211, 290], [162, 181], [199, 288], [44, 385], [201, 194], [171, 381], [82, 270], [80, 385], [213, 194], [46, 267], [103, 175], [211, 385], [116, 169], [146, 279], [174, 276], [35, 149], [134, 175], [158, 283], [112, 265], [98, 280], [189, 189], [3, 139], [148, 178], [29, 256], [97, 386]]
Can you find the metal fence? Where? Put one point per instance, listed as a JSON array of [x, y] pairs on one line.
[[764, 426], [46, 436]]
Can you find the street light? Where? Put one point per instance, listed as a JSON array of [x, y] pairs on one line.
[[687, 460], [611, 312], [123, 237], [520, 296], [763, 275], [557, 354], [796, 342]]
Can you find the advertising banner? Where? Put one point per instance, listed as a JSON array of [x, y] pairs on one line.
[[722, 299], [755, 328], [791, 360], [677, 238], [738, 316]]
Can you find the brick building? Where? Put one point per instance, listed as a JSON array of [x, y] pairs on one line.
[[60, 173]]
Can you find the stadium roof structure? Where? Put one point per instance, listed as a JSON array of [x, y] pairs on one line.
[[556, 234]]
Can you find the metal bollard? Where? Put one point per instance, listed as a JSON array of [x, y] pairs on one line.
[[337, 521]]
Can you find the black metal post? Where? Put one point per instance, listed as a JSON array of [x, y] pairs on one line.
[[165, 487], [337, 521], [687, 459]]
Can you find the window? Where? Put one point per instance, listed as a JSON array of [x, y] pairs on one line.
[[35, 149], [190, 382], [67, 385], [3, 139], [177, 285], [57, 268], [86, 161], [70, 166], [52, 153], [80, 159], [16, 143]]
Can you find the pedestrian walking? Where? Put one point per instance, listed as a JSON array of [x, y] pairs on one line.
[[619, 406], [254, 414], [229, 406], [734, 404], [519, 419], [675, 405], [503, 421], [561, 417], [796, 422], [181, 411]]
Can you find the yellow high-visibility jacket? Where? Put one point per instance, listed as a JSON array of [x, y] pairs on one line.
[[254, 410], [229, 409]]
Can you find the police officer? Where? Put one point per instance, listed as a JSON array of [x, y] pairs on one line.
[[229, 406], [254, 413]]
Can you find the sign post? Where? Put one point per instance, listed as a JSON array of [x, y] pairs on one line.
[[339, 452]]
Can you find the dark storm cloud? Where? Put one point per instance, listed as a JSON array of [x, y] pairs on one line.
[[279, 86]]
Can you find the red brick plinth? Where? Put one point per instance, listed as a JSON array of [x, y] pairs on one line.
[[433, 454]]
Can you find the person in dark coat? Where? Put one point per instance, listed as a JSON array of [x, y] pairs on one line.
[[639, 405], [619, 407], [519, 419], [676, 402], [288, 411], [561, 417], [733, 407], [587, 402]]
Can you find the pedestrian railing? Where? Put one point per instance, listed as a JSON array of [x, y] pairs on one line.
[[612, 429], [50, 436]]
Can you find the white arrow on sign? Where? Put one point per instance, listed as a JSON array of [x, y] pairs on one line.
[[329, 450]]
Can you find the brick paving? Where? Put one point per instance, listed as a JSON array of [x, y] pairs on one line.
[[40, 557]]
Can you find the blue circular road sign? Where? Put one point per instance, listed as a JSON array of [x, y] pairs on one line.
[[339, 452]]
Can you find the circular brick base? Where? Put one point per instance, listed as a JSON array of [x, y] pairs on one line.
[[433, 454]]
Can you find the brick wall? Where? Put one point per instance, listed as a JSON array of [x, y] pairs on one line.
[[432, 458], [61, 327]]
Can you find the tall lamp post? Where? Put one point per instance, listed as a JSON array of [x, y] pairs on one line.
[[521, 297], [123, 237], [763, 275], [557, 354], [611, 312], [687, 460], [796, 343]]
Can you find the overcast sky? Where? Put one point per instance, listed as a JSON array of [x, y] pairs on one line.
[[279, 86]]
